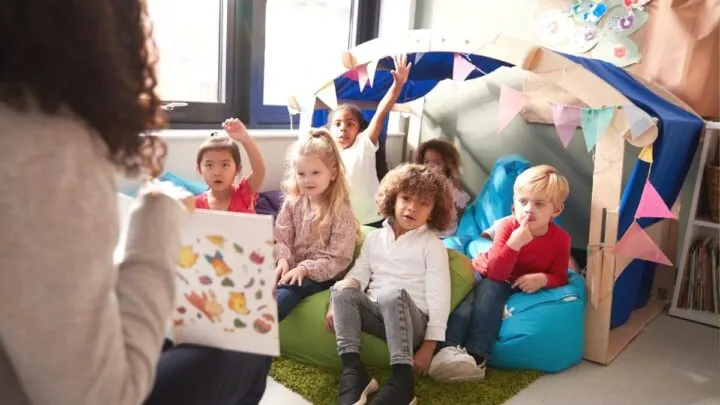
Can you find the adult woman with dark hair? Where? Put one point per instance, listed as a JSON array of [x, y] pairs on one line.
[[77, 90]]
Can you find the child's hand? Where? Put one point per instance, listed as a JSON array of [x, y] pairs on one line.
[[520, 236], [530, 283], [294, 276], [330, 320], [401, 72], [346, 283], [236, 130], [281, 269], [480, 264], [423, 357]]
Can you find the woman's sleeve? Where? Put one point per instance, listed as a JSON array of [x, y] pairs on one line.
[[75, 328]]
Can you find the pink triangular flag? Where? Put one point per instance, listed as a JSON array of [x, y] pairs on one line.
[[351, 74], [637, 244], [358, 74], [461, 68], [652, 205], [370, 69], [566, 119], [510, 104]]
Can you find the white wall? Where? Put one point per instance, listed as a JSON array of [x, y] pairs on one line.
[[273, 144]]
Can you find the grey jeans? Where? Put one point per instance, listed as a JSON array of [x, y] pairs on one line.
[[394, 317]]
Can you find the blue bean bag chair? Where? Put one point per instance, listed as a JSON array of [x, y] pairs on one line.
[[493, 203], [195, 187], [543, 331]]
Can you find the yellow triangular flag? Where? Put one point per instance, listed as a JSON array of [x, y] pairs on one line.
[[646, 154], [328, 95]]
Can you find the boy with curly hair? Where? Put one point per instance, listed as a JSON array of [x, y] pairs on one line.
[[399, 287], [529, 253]]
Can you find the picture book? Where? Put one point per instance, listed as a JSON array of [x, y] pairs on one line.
[[224, 283]]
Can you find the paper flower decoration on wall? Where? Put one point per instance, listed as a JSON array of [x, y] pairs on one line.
[[601, 28]]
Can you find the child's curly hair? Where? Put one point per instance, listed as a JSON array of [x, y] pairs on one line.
[[449, 153], [418, 181]]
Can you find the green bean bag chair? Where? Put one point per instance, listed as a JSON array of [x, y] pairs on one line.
[[303, 335]]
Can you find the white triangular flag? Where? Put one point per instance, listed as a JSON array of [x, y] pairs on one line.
[[638, 120], [371, 67], [418, 56], [328, 95]]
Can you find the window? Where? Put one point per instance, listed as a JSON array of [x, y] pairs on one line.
[[222, 58], [189, 32], [298, 33]]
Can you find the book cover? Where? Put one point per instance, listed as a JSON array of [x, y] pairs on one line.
[[224, 281]]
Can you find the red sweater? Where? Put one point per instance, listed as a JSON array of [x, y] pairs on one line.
[[547, 254]]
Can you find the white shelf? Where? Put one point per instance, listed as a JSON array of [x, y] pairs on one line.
[[707, 224], [697, 227], [707, 318]]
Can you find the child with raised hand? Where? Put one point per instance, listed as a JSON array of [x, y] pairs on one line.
[[529, 252], [444, 156], [315, 231], [218, 162], [358, 142], [398, 289]]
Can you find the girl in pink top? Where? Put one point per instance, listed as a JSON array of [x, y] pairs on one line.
[[316, 231], [218, 162]]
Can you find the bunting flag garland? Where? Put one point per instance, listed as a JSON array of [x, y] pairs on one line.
[[370, 69], [652, 205], [636, 244], [646, 154], [510, 104], [638, 120], [595, 121], [418, 56], [461, 68], [566, 119], [358, 74], [328, 95]]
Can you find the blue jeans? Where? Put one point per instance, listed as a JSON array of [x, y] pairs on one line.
[[475, 323], [289, 296]]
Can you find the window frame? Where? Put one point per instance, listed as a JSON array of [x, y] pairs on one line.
[[244, 28]]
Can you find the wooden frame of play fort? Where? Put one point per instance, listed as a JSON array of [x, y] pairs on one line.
[[579, 78]]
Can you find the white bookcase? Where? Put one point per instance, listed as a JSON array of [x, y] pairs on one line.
[[698, 226]]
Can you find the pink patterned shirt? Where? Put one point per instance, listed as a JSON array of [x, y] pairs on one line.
[[324, 258]]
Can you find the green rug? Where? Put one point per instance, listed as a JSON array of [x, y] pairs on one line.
[[319, 385]]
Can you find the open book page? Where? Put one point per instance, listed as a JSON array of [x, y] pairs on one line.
[[224, 283]]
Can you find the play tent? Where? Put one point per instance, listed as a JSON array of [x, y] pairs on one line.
[[618, 286]]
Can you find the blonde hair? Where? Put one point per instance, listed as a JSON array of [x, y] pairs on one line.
[[546, 181], [319, 143]]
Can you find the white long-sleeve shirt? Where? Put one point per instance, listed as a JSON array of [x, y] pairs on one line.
[[417, 261]]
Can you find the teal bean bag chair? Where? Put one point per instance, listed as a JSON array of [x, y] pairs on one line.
[[303, 335], [493, 203]]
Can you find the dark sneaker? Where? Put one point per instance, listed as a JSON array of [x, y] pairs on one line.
[[355, 386], [396, 392]]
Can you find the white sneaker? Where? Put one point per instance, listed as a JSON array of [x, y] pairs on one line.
[[454, 364]]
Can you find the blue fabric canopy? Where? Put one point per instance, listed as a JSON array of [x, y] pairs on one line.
[[673, 151], [679, 133]]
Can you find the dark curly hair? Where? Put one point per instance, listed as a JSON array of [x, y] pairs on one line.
[[419, 181], [449, 153], [95, 58]]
